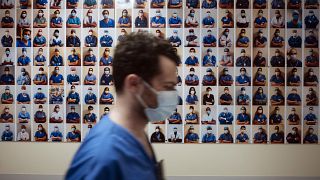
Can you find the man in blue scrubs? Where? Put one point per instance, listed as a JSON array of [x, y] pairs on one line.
[[119, 148]]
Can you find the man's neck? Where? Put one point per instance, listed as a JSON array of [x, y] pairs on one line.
[[129, 118]]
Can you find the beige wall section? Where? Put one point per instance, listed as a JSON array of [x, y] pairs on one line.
[[180, 160]]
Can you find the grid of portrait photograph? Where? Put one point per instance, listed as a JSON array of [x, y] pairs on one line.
[[248, 73]]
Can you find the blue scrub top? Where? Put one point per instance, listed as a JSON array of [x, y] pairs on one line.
[[111, 152]]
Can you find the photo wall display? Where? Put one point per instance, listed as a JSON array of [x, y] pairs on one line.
[[248, 73]]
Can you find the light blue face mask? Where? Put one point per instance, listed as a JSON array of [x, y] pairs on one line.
[[167, 103]]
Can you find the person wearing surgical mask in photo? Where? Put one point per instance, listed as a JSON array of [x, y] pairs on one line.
[[175, 21], [39, 40], [24, 59], [7, 134], [56, 116], [56, 20], [141, 20], [106, 40], [23, 21], [41, 134], [225, 39], [24, 77], [175, 136], [106, 22], [7, 21], [23, 135], [89, 20], [277, 20], [25, 39], [158, 21], [293, 137], [90, 97], [88, 4], [145, 91], [124, 20], [72, 4], [73, 135], [311, 21], [191, 20], [7, 58], [175, 40], [295, 21], [157, 136], [106, 78], [207, 117], [56, 40], [23, 116], [56, 135], [123, 35], [40, 20], [242, 20], [209, 137], [6, 39], [91, 40], [73, 20]]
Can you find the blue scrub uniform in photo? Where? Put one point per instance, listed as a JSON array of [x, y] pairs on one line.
[[192, 99], [73, 78], [106, 79], [72, 117], [295, 42], [7, 79], [209, 60], [106, 61], [276, 137], [75, 96], [209, 39], [108, 24], [56, 134], [106, 41], [276, 118], [73, 21], [40, 134], [7, 136], [243, 79], [25, 115], [56, 78], [208, 138], [260, 137], [243, 98], [40, 59], [193, 3], [23, 98], [6, 41], [277, 79], [228, 118], [192, 61], [160, 20], [107, 96], [109, 138], [260, 118], [6, 116], [90, 118], [175, 20], [73, 58], [226, 137], [207, 5], [90, 97], [243, 117], [24, 60], [56, 61], [242, 137]]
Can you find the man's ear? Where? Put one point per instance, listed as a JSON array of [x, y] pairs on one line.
[[132, 83]]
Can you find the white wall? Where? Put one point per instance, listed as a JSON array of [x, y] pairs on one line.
[[180, 160]]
